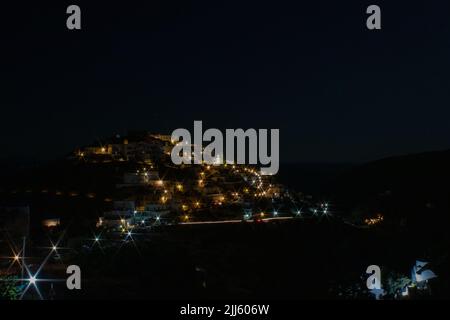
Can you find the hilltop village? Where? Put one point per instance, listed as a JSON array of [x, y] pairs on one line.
[[150, 189]]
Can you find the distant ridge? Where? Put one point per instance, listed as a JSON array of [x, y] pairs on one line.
[[407, 186]]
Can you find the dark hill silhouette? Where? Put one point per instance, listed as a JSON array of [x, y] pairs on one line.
[[413, 188]]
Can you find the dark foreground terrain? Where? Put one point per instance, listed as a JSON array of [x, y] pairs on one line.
[[301, 259]]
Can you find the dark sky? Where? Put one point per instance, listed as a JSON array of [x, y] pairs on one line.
[[337, 91]]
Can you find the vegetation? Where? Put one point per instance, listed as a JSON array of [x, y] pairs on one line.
[[9, 288]]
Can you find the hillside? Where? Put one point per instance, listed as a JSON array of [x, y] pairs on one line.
[[406, 189]]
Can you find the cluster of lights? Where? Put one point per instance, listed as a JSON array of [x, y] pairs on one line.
[[260, 194], [374, 221], [32, 278]]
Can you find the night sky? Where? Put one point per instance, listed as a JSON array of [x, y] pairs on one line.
[[337, 91]]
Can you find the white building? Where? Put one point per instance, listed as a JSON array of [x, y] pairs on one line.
[[139, 178], [122, 214]]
